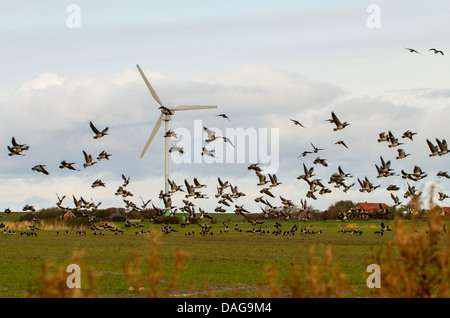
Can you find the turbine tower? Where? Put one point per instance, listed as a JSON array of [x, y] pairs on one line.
[[166, 113]]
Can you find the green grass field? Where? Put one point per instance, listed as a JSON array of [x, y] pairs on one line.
[[227, 264]]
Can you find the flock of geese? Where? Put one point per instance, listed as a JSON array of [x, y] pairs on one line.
[[228, 194]]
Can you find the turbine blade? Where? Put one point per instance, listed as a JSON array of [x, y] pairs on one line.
[[152, 91], [155, 130], [191, 107]]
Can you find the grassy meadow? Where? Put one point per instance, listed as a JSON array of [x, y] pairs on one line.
[[232, 264]]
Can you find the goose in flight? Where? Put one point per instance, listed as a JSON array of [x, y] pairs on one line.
[[408, 134], [40, 168], [226, 139], [442, 196], [14, 152], [254, 166], [385, 227], [176, 148], [418, 173], [189, 189], [274, 180], [337, 122], [434, 149], [68, 165], [98, 133], [174, 187], [296, 122], [396, 200], [392, 187], [208, 152], [340, 142], [103, 155], [304, 153], [170, 133], [316, 149], [442, 146], [126, 180], [60, 199], [98, 183], [267, 191], [436, 51], [321, 161], [393, 141], [220, 209], [211, 134], [88, 160], [402, 154], [443, 174], [412, 50], [382, 137], [198, 185], [223, 116], [308, 173], [222, 184], [17, 148], [29, 208]]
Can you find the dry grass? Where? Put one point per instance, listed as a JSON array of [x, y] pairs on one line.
[[150, 284], [42, 225], [417, 263], [314, 279], [52, 280]]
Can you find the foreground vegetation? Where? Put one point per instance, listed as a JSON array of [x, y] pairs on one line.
[[233, 264]]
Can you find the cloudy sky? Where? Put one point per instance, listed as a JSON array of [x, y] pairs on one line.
[[65, 63]]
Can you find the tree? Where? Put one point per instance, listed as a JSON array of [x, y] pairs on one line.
[[335, 209]]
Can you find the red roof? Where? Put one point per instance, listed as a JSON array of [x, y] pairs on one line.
[[446, 209], [370, 206]]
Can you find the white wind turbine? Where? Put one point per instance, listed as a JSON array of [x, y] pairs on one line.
[[166, 113]]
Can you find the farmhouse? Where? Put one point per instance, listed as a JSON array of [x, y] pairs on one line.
[[445, 210], [366, 210]]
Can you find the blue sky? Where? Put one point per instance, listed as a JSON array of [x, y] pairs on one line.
[[262, 62]]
